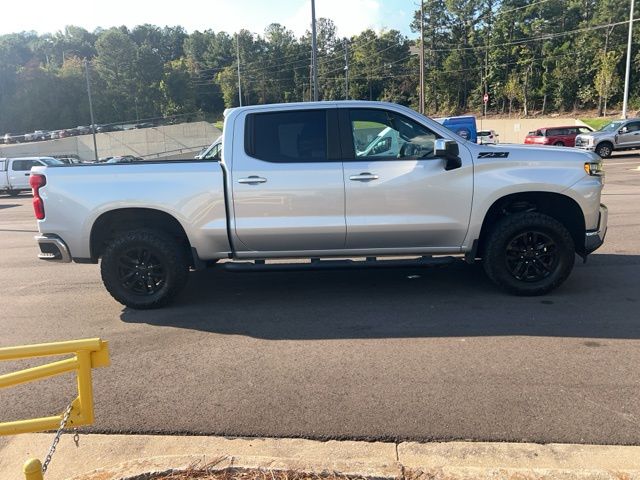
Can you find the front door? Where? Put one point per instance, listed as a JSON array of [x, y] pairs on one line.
[[288, 184], [403, 197], [629, 136]]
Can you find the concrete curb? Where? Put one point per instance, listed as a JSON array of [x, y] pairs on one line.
[[120, 457]]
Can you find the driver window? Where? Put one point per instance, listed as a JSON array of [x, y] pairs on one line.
[[382, 134], [633, 127]]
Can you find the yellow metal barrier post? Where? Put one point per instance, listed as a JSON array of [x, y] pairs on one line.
[[87, 354]]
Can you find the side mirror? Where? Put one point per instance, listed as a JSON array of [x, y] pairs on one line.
[[448, 149], [623, 130]]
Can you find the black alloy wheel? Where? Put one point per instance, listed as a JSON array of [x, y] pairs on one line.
[[531, 256]]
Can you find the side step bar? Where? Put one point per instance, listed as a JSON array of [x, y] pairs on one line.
[[346, 264]]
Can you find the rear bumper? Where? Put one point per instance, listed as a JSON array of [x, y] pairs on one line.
[[53, 249], [593, 239]]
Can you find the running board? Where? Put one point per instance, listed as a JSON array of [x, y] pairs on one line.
[[346, 264]]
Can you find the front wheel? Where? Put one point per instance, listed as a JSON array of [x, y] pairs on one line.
[[144, 269], [604, 150], [529, 254], [559, 144], [13, 193]]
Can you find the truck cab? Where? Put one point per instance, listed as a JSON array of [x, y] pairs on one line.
[[15, 172]]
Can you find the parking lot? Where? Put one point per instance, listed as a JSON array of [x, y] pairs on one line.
[[422, 354]]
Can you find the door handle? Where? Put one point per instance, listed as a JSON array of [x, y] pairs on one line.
[[364, 177], [252, 180], [27, 174]]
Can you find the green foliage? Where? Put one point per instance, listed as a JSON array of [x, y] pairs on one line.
[[530, 57], [596, 123]]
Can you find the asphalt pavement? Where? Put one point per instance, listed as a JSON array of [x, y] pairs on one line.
[[406, 354]]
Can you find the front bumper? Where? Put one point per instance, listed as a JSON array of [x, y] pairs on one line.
[[53, 249], [593, 239]]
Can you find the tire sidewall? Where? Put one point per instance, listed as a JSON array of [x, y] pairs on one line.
[[167, 253], [496, 264]]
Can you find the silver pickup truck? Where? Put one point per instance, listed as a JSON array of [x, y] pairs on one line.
[[615, 136], [320, 181]]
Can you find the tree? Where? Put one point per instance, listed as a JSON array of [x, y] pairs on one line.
[[607, 81]]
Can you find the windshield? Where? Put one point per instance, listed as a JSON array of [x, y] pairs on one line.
[[52, 161], [611, 126]]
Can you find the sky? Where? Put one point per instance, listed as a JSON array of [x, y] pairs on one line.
[[350, 16]]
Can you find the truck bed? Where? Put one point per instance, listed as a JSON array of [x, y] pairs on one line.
[[190, 191]]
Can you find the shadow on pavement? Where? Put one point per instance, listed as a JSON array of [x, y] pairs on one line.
[[599, 300], [8, 205]]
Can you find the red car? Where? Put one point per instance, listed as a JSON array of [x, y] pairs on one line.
[[558, 136]]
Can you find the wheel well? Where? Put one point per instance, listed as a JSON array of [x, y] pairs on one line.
[[558, 206], [603, 142], [109, 224]]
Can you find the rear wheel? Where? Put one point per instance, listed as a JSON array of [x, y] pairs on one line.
[[13, 193], [144, 269], [529, 254], [559, 144], [604, 150]]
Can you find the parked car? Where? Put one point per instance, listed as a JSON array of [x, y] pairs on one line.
[[615, 136], [558, 136], [289, 185], [67, 132], [487, 137], [69, 160], [145, 125], [11, 138], [14, 172], [82, 130]]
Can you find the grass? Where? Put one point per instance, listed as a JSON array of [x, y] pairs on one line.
[[596, 123]]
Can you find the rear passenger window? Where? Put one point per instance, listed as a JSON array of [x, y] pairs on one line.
[[287, 137], [24, 165]]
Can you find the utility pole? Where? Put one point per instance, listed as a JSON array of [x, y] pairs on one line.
[[628, 68], [314, 62], [346, 69], [421, 57], [238, 61], [93, 123]]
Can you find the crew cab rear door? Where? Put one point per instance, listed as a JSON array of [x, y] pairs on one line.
[[287, 181], [629, 135], [405, 198]]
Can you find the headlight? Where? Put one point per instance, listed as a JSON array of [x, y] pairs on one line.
[[593, 168]]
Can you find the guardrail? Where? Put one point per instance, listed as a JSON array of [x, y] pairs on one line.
[[87, 354]]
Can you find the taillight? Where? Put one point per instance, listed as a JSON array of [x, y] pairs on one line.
[[37, 181]]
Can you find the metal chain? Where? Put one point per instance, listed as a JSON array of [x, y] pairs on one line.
[[56, 439]]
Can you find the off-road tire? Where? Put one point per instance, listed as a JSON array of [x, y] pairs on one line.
[[498, 253], [165, 254]]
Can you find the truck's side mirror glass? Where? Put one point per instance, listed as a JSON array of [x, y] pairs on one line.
[[449, 150]]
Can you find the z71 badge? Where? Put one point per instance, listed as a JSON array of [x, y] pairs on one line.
[[493, 154]]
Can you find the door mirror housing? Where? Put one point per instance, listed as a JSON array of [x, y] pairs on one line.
[[449, 150], [623, 130]]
